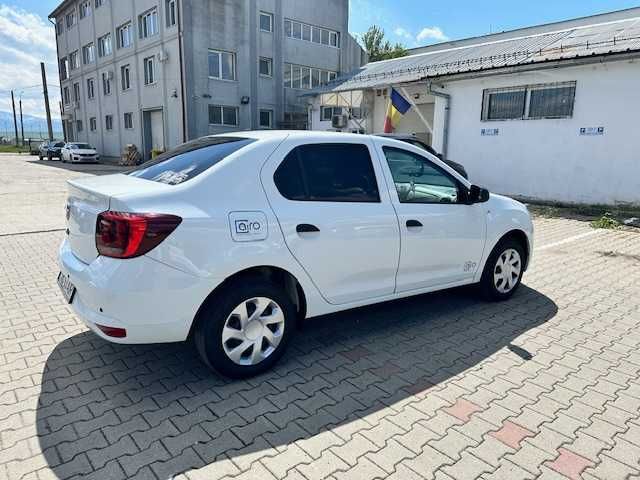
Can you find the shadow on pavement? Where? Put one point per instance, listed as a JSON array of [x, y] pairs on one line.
[[121, 411], [90, 168]]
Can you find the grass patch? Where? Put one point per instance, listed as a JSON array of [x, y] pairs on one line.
[[13, 149], [606, 222]]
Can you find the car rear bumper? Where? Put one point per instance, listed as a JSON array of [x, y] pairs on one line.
[[153, 302]]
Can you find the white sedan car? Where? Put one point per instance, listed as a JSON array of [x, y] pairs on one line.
[[79, 152], [232, 240]]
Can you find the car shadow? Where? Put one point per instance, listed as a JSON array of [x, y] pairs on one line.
[[91, 168], [120, 411]]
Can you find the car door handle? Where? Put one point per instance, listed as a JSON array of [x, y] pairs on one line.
[[414, 224], [307, 228]]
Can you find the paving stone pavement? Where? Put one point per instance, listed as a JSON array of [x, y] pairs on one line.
[[442, 386]]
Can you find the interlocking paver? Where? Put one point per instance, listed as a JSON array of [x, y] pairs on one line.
[[544, 384]]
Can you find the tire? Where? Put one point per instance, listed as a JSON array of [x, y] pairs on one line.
[[220, 314], [498, 284], [40, 157]]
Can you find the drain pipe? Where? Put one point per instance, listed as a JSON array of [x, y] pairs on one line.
[[447, 114]]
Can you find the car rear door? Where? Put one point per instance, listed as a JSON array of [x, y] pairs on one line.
[[442, 237], [336, 216]]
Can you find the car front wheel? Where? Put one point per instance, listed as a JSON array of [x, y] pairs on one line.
[[503, 271], [244, 330]]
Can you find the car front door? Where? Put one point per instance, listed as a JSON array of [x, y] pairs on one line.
[[336, 216], [442, 237]]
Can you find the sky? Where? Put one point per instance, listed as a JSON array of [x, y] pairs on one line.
[[27, 37]]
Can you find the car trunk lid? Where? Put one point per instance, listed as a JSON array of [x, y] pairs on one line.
[[88, 197]]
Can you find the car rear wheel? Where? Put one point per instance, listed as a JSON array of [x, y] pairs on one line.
[[503, 271], [244, 330]]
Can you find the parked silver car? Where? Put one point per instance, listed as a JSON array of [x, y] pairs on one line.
[[50, 150]]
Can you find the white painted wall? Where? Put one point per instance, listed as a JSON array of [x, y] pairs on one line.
[[548, 159]]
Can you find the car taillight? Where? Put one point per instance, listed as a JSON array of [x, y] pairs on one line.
[[129, 235]]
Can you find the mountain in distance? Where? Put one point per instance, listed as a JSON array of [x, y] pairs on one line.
[[33, 126]]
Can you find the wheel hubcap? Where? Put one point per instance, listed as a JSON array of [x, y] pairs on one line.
[[253, 331], [507, 271]]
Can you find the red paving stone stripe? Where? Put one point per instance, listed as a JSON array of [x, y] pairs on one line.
[[463, 409], [570, 464], [357, 353], [511, 434]]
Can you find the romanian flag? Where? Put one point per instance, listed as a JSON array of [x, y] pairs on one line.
[[398, 106]]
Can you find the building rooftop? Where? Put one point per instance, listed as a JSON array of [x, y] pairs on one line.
[[607, 34]]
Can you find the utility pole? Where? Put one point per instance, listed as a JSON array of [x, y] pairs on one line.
[[21, 123], [46, 101], [64, 122], [15, 120]]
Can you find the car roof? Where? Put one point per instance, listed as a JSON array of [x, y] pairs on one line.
[[297, 134]]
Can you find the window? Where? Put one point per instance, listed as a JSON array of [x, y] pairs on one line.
[[190, 159], [334, 39], [328, 172], [306, 32], [104, 45], [78, 125], [149, 71], [106, 83], [327, 113], [90, 89], [297, 76], [73, 60], [108, 122], [88, 53], [99, 3], [59, 27], [324, 37], [128, 120], [266, 22], [221, 115], [76, 92], [266, 66], [85, 9], [65, 96], [418, 180], [124, 35], [287, 28], [222, 65], [125, 77], [93, 124], [316, 35], [70, 19], [554, 100], [148, 23], [64, 68], [297, 30], [170, 7], [266, 118]]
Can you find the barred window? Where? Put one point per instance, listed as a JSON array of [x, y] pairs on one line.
[[555, 100]]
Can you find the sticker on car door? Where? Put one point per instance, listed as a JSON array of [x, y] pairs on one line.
[[248, 226]]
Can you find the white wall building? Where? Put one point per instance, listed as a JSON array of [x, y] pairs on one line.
[[545, 113]]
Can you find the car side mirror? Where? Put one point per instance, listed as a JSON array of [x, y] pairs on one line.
[[478, 195]]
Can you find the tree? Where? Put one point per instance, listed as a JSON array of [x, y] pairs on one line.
[[380, 49]]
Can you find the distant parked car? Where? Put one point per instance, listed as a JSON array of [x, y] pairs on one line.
[[79, 152], [50, 150], [415, 141]]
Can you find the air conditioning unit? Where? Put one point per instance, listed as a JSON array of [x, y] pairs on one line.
[[339, 121], [163, 56]]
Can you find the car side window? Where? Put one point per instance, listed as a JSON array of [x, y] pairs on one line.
[[418, 180], [328, 172]]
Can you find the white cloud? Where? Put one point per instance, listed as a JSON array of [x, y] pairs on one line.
[[431, 33], [401, 32], [27, 39]]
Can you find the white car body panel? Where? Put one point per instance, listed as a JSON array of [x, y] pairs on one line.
[[350, 234], [353, 262], [84, 154]]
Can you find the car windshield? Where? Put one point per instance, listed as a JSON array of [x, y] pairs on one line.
[[81, 146], [59, 145], [189, 160]]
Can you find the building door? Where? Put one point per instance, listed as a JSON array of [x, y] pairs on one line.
[[153, 131]]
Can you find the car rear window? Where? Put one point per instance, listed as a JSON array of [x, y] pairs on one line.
[[189, 160]]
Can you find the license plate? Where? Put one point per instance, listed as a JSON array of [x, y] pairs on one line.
[[66, 287]]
